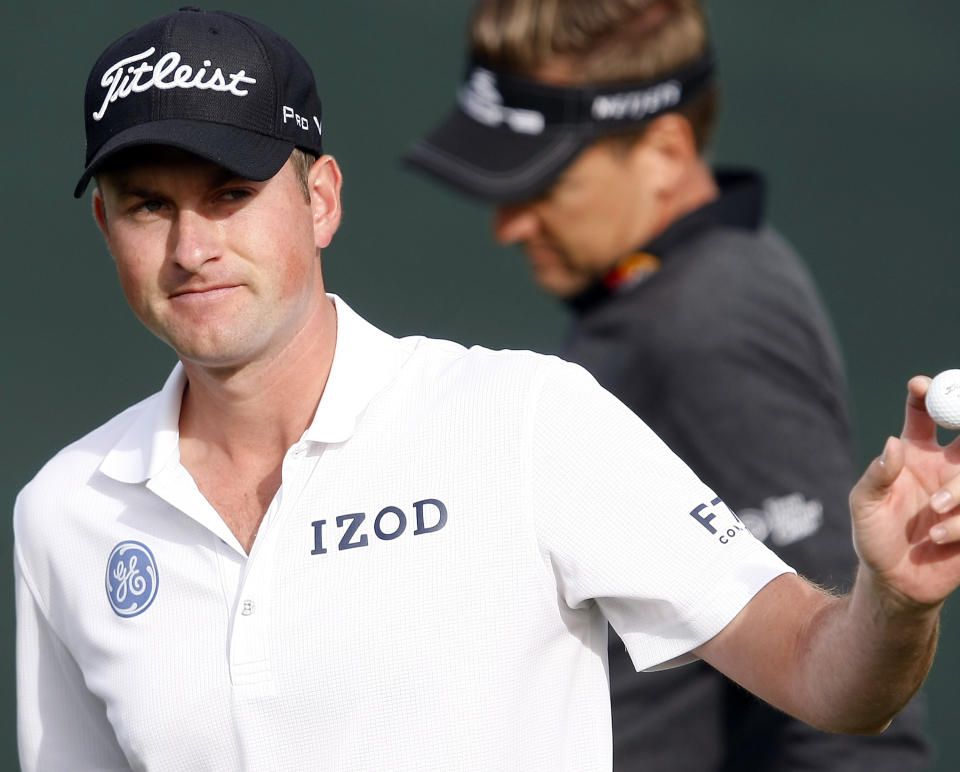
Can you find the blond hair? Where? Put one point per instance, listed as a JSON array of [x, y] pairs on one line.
[[301, 161]]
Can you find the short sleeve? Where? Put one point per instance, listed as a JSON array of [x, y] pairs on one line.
[[626, 525]]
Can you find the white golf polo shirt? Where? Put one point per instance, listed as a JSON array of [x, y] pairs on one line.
[[429, 589]]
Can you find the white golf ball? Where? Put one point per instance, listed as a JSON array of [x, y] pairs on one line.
[[943, 399]]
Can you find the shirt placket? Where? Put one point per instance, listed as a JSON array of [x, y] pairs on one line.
[[252, 621]]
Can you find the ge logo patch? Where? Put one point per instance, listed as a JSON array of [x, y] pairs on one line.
[[131, 578]]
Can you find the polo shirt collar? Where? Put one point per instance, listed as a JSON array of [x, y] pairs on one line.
[[151, 441], [740, 205], [365, 361]]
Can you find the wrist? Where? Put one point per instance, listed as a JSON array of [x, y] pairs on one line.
[[888, 603]]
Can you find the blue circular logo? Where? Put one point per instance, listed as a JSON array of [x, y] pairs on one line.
[[131, 578]]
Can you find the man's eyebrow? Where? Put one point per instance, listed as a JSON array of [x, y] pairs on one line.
[[128, 189]]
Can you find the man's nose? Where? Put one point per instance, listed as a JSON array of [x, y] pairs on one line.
[[196, 239], [514, 222]]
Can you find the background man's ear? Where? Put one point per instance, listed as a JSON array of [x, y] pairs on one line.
[[666, 152]]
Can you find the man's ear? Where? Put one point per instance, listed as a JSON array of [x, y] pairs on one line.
[[99, 212], [667, 152], [324, 181]]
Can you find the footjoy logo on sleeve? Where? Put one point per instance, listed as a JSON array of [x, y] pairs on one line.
[[718, 520], [126, 77], [131, 578]]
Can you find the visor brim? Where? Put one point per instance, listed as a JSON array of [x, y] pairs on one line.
[[495, 163]]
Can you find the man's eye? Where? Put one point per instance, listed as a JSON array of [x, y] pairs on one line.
[[149, 206], [235, 194]]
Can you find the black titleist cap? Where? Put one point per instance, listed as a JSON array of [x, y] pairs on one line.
[[212, 83], [509, 137]]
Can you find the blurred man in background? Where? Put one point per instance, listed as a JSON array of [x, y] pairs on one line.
[[586, 122]]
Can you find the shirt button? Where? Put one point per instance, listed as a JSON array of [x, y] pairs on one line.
[[247, 608]]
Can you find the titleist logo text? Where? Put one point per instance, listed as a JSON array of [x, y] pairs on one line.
[[125, 78]]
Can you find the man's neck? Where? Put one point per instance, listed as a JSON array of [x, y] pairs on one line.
[[698, 189], [236, 427], [264, 407]]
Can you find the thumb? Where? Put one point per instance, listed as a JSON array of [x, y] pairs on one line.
[[875, 483]]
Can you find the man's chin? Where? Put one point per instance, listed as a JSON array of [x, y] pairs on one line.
[[558, 282]]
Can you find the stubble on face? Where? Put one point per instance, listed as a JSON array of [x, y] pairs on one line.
[[224, 270], [592, 215], [554, 271]]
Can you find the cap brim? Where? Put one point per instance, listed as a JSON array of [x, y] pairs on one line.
[[245, 153], [495, 164]]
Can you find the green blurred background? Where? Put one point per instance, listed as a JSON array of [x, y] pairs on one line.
[[850, 109]]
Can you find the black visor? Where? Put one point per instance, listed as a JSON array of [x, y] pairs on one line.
[[509, 137]]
